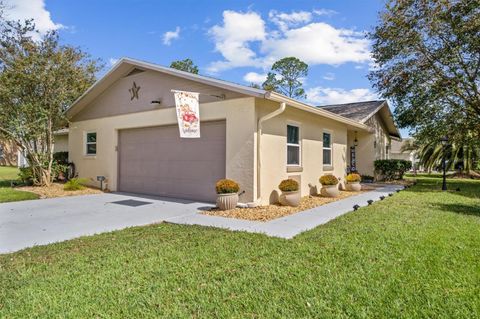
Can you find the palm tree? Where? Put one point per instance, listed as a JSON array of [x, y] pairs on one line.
[[462, 158]]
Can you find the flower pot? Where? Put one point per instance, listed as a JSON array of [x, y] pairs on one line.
[[227, 201], [353, 186], [290, 198], [330, 190]]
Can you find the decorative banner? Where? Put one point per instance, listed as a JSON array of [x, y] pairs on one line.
[[188, 113]]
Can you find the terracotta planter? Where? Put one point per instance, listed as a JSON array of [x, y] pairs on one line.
[[290, 198], [227, 201], [330, 190], [353, 187]]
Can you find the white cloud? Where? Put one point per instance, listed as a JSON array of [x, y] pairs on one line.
[[243, 41], [171, 35], [253, 77], [329, 76], [324, 12], [233, 37], [112, 61], [326, 96], [320, 43], [286, 20], [31, 9]]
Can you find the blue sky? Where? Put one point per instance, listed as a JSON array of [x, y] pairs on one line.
[[231, 40]]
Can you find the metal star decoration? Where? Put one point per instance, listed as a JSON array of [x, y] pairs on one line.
[[134, 91]]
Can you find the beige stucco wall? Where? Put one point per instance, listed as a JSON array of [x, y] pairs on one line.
[[238, 113], [372, 146], [273, 149], [61, 143]]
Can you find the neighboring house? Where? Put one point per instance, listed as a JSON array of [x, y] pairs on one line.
[[12, 155], [252, 136], [9, 153], [400, 150]]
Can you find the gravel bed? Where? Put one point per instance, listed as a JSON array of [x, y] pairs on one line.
[[274, 211], [56, 190]]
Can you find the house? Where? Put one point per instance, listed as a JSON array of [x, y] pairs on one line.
[[404, 150], [365, 146], [252, 136], [12, 155]]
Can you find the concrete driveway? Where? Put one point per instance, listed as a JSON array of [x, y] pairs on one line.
[[39, 222]]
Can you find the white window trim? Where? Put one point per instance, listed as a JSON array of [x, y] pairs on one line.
[[86, 143], [299, 145], [328, 148]]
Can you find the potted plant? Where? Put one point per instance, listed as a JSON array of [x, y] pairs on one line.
[[353, 182], [290, 193], [329, 186], [227, 194]]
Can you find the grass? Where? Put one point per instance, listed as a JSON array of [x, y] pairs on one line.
[[413, 255], [7, 193]]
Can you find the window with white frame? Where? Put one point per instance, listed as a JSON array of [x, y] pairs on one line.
[[327, 148], [293, 145], [91, 143]]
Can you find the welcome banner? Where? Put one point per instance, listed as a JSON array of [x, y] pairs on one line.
[[188, 113]]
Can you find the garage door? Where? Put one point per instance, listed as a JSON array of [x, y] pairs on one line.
[[156, 161]]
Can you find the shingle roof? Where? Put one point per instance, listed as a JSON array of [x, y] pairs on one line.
[[359, 111]]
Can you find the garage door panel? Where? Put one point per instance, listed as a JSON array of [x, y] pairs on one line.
[[156, 161]]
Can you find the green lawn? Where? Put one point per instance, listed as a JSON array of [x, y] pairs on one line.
[[416, 254], [8, 194]]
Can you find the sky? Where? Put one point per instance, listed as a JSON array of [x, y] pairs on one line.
[[232, 40]]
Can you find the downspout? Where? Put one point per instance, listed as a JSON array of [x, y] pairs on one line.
[[264, 118]]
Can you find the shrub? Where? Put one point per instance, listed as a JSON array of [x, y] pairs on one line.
[[328, 180], [25, 174], [288, 185], [353, 178], [367, 178], [75, 184], [61, 158], [227, 186], [392, 168]]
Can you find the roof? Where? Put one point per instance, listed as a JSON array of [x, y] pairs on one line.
[[126, 65], [359, 111], [362, 111]]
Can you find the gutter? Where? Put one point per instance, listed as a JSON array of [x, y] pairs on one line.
[[318, 111], [264, 118]]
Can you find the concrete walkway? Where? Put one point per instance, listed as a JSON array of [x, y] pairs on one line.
[[39, 222], [289, 226]]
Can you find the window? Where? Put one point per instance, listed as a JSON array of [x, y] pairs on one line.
[[293, 145], [327, 148], [91, 143]]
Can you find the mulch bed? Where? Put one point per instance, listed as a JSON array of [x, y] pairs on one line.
[[56, 190], [266, 213]]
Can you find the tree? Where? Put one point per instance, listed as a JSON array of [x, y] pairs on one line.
[[427, 54], [185, 65], [38, 81], [285, 77], [463, 158]]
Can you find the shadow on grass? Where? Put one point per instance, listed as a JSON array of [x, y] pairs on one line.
[[473, 210]]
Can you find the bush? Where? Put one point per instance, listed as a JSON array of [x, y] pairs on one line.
[[353, 178], [61, 158], [25, 174], [288, 185], [367, 178], [328, 180], [392, 168], [75, 184], [227, 186]]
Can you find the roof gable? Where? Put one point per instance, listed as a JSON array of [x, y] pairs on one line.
[[362, 111]]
